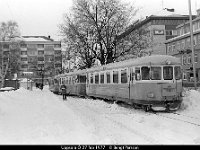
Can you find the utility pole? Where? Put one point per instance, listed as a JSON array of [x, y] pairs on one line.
[[192, 44]]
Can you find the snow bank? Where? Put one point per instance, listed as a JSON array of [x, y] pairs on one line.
[[38, 117], [191, 102]]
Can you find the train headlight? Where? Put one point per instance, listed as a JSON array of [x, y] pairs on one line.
[[151, 95]]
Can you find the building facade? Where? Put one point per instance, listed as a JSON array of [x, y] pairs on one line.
[[161, 28], [39, 55], [180, 46]]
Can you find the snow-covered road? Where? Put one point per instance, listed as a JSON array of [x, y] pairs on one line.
[[40, 117]]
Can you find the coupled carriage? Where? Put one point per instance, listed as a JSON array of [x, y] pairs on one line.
[[150, 82]]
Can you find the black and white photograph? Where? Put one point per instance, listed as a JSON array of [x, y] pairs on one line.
[[100, 73]]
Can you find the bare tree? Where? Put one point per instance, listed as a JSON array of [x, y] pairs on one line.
[[9, 49], [93, 26]]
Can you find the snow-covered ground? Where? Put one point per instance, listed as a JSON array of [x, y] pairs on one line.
[[40, 117]]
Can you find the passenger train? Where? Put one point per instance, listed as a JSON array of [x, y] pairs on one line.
[[150, 82]]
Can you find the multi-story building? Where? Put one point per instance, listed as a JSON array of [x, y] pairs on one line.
[[160, 29], [38, 54], [180, 46]]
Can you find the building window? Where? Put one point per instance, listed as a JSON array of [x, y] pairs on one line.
[[23, 52], [40, 58], [189, 60], [57, 52], [24, 66], [188, 41], [195, 40], [184, 60], [158, 32], [24, 59], [187, 29], [23, 45], [173, 47], [199, 38], [57, 45], [40, 46], [169, 32], [169, 48], [40, 52], [6, 46], [178, 46], [195, 58], [183, 44], [58, 58]]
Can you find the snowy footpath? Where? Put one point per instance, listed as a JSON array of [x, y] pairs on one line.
[[41, 117]]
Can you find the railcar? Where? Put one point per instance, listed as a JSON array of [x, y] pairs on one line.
[[74, 81], [151, 82], [54, 84]]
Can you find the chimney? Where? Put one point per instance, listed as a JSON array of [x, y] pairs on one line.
[[198, 12], [49, 36]]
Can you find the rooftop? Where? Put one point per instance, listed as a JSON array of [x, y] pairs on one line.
[[37, 38]]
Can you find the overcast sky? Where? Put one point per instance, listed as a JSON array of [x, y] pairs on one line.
[[42, 17]]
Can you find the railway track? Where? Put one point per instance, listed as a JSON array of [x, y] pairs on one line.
[[180, 117], [172, 115]]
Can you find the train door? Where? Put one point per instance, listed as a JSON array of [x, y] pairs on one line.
[[169, 88], [134, 84]]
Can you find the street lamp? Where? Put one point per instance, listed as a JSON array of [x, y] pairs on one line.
[[41, 70], [192, 46]]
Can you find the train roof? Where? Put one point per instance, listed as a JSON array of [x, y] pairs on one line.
[[142, 61], [77, 72]]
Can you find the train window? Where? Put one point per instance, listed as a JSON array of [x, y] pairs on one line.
[[155, 73], [124, 76], [91, 78], [102, 78], [108, 77], [137, 73], [168, 72], [115, 76], [62, 80], [145, 73], [82, 79], [70, 80], [97, 78], [177, 71]]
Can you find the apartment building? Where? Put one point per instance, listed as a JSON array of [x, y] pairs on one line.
[[180, 46], [160, 28], [38, 54]]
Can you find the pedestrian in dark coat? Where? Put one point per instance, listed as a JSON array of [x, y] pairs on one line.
[[64, 91]]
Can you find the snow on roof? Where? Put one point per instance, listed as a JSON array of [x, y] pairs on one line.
[[166, 13], [37, 38], [26, 80], [34, 39], [146, 60]]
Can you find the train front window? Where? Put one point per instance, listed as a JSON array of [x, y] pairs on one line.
[[155, 73], [168, 72], [177, 71]]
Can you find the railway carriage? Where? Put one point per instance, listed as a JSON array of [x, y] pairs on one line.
[[151, 82], [74, 81], [54, 84]]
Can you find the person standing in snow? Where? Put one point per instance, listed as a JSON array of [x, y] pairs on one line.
[[64, 91]]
